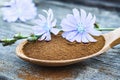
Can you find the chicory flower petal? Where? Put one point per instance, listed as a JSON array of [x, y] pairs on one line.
[[79, 27]]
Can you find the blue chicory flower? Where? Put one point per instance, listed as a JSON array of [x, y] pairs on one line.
[[19, 9], [46, 26], [79, 27]]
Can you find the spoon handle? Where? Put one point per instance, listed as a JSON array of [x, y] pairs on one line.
[[112, 38]]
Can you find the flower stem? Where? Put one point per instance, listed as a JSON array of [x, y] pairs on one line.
[[16, 37], [33, 37], [106, 29], [97, 27]]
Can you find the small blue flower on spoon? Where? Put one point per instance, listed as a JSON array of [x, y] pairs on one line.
[[45, 26], [79, 27]]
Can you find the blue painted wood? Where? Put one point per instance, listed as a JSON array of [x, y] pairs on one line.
[[103, 67]]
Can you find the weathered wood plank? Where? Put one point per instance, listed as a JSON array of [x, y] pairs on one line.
[[103, 67]]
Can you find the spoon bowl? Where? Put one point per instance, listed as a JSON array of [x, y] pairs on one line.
[[111, 39]]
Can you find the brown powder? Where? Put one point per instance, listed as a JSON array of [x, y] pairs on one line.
[[60, 49], [39, 73], [114, 43]]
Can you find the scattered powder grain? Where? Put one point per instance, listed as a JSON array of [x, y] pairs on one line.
[[60, 49], [38, 73]]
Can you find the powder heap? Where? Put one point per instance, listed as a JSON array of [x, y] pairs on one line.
[[60, 49]]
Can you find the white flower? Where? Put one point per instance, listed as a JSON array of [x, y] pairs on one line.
[[19, 9], [79, 27], [46, 26]]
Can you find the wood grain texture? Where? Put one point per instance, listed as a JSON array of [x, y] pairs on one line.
[[103, 67]]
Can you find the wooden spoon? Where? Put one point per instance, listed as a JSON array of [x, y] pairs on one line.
[[111, 39]]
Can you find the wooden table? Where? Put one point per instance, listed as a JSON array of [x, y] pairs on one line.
[[103, 67]]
